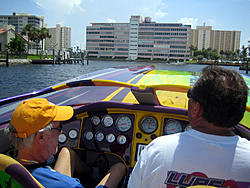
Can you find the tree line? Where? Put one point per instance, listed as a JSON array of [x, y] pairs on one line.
[[212, 54], [34, 35]]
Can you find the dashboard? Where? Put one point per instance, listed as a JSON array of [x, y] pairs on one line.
[[121, 129]]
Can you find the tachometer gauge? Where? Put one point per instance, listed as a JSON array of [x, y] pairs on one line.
[[123, 123], [148, 124], [172, 127], [121, 139], [88, 135], [73, 134], [188, 127], [62, 138], [95, 120], [99, 136], [110, 138], [107, 121]]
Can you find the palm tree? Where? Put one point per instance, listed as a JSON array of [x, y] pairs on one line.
[[238, 53], [44, 33], [27, 31], [228, 54], [35, 37], [192, 48], [244, 52], [222, 53], [16, 44], [234, 54]]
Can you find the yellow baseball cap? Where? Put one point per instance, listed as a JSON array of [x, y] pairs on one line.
[[32, 115]]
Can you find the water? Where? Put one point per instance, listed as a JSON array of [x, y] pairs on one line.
[[24, 78]]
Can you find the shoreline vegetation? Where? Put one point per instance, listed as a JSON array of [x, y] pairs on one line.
[[37, 57]]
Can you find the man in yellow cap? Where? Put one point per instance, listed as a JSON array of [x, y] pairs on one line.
[[34, 129]]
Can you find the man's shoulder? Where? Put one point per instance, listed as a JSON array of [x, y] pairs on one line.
[[244, 142], [168, 137], [165, 140], [48, 176]]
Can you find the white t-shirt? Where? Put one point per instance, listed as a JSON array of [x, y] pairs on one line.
[[193, 158]]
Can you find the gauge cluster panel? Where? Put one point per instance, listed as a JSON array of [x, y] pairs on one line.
[[109, 133], [113, 132]]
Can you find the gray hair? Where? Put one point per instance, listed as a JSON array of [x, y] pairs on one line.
[[23, 143]]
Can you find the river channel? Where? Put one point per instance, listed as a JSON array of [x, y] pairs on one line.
[[24, 78]]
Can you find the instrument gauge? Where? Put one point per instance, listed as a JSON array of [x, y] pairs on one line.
[[88, 135], [110, 138], [123, 123], [121, 139], [73, 134], [188, 127], [62, 138], [95, 120], [107, 121], [172, 127], [99, 136], [148, 125]]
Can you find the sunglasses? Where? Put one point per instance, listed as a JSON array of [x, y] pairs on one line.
[[189, 95], [59, 128]]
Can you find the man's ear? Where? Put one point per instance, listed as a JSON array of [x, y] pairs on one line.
[[197, 111], [39, 137]]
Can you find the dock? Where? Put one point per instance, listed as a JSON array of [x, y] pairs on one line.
[[58, 61]]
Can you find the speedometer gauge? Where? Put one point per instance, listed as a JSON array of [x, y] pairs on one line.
[[123, 123], [148, 125], [95, 120], [107, 121], [88, 135], [73, 134], [99, 136], [121, 139], [110, 138], [62, 138], [188, 127], [172, 127]]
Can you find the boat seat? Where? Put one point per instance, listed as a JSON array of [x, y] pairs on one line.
[[13, 174]]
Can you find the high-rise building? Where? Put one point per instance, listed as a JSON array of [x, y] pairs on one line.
[[60, 36], [205, 37], [19, 20], [139, 39]]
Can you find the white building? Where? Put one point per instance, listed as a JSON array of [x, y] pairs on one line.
[[19, 20], [139, 39], [205, 37], [60, 36]]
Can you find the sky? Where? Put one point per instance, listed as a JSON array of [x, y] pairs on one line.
[[220, 14]]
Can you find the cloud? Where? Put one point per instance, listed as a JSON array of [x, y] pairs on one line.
[[111, 20], [213, 22], [159, 14], [152, 9], [189, 21], [58, 10]]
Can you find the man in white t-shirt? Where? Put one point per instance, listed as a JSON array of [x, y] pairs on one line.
[[208, 154]]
